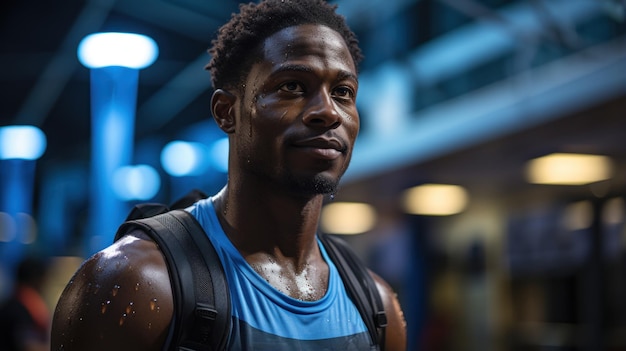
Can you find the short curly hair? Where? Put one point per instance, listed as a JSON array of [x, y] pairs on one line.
[[237, 45]]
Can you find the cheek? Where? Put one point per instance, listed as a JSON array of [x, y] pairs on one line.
[[273, 107], [357, 125], [273, 116], [263, 134], [352, 124]]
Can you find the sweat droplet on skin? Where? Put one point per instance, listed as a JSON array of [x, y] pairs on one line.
[[129, 308], [104, 306], [153, 304]]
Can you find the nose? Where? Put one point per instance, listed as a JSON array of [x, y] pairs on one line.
[[322, 112]]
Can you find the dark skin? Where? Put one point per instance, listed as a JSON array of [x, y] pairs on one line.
[[290, 129]]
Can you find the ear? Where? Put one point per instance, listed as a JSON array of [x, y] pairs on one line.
[[222, 108]]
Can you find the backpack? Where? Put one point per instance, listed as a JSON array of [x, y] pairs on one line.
[[199, 287]]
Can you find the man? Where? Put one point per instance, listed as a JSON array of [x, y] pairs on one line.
[[285, 79]]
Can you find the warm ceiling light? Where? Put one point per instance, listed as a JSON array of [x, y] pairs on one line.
[[348, 218], [568, 169], [435, 199]]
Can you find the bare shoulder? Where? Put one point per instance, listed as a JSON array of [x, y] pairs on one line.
[[119, 299], [395, 338]]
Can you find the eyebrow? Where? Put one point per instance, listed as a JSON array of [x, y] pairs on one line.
[[343, 74]]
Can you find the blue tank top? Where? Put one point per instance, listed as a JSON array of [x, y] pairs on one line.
[[263, 318]]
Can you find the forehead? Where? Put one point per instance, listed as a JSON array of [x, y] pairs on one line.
[[314, 43]]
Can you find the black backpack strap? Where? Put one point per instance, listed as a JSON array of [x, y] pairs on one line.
[[360, 285], [146, 210], [199, 288]]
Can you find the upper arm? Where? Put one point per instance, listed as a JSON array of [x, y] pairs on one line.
[[395, 334], [119, 299]]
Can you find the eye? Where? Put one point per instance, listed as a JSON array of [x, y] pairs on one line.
[[344, 92], [292, 87]]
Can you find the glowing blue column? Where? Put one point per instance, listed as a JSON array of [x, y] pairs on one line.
[[20, 146], [115, 60]]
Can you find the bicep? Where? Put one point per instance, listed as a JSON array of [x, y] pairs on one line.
[[395, 335], [119, 299]]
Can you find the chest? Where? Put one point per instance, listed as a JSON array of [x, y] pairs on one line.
[[309, 283], [264, 318]]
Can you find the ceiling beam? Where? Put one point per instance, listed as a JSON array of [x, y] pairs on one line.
[[520, 102], [47, 89]]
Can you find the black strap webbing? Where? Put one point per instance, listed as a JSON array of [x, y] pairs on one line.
[[360, 286], [202, 311]]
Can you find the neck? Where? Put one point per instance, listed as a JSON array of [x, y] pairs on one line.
[[262, 221]]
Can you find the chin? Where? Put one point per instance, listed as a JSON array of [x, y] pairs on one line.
[[317, 185]]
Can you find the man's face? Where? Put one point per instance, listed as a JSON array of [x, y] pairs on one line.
[[297, 119]]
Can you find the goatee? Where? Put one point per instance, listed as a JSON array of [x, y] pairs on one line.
[[318, 185]]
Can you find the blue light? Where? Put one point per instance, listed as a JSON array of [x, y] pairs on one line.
[[115, 60], [117, 49], [181, 158], [219, 155], [140, 182], [21, 142]]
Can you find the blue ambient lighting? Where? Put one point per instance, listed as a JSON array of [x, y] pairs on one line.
[[181, 158], [21, 142], [114, 60], [140, 182], [117, 49], [219, 155]]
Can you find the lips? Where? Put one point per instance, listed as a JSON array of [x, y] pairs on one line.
[[322, 143], [322, 147]]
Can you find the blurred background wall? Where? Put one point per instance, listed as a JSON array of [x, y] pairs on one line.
[[465, 95]]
